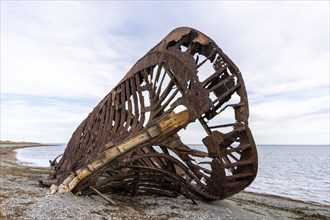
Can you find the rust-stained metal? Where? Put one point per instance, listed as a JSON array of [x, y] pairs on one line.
[[131, 141]]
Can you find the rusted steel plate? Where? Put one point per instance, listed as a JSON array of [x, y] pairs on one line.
[[130, 141]]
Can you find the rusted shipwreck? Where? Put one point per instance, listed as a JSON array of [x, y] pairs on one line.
[[130, 143]]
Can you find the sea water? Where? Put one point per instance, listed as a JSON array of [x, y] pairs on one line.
[[39, 156], [295, 171]]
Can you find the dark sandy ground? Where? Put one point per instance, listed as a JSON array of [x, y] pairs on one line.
[[22, 198]]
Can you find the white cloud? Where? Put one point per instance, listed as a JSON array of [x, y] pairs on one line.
[[80, 50], [40, 119]]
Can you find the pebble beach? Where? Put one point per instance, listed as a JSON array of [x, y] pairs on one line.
[[21, 197]]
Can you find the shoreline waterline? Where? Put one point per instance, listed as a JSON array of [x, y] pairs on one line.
[[250, 189], [26, 200], [40, 156]]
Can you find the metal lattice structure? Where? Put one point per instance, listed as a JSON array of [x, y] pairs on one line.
[[131, 141]]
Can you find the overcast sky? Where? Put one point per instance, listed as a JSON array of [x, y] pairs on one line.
[[59, 59]]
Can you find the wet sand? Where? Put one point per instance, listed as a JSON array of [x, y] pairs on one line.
[[22, 198]]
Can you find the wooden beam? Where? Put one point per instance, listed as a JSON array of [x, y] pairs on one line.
[[103, 196]]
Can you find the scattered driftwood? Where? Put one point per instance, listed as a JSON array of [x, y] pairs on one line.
[[47, 182], [131, 141], [53, 163], [102, 195]]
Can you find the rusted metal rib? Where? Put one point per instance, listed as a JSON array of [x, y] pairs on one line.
[[130, 141]]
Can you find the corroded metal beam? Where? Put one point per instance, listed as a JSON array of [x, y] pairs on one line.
[[130, 142]]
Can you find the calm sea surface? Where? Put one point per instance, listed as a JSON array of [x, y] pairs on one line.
[[39, 156], [296, 171]]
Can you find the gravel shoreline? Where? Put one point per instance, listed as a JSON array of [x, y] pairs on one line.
[[22, 198]]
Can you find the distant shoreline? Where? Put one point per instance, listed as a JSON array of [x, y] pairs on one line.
[[17, 142], [8, 146]]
